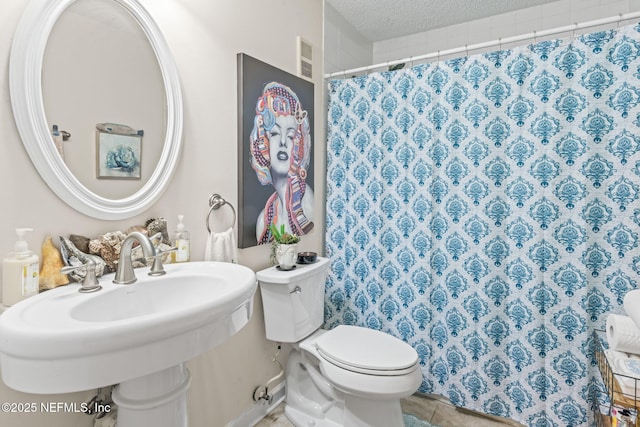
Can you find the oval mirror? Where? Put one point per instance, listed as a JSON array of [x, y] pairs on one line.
[[124, 195]]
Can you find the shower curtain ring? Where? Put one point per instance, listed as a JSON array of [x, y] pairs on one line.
[[619, 20], [535, 37], [466, 50]]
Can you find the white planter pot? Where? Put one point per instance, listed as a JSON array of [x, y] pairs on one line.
[[286, 255]]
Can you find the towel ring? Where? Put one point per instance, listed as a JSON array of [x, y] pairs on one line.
[[216, 202]]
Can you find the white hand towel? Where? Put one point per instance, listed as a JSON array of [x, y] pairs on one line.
[[221, 247]]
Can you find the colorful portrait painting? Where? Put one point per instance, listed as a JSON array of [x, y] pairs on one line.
[[275, 152]]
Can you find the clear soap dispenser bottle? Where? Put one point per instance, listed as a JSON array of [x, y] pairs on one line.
[[181, 240], [20, 271]]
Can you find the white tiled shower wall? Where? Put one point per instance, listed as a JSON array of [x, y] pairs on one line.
[[342, 40]]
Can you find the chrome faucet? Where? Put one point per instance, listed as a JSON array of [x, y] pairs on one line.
[[124, 272], [90, 282]]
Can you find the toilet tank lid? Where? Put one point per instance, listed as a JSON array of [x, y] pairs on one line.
[[366, 348], [301, 271]]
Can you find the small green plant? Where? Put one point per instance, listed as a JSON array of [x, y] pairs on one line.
[[281, 237]]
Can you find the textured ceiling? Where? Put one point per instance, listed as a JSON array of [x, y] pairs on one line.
[[386, 19]]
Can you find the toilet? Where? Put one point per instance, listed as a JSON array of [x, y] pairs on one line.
[[348, 376]]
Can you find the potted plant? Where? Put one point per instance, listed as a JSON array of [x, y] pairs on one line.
[[284, 248]]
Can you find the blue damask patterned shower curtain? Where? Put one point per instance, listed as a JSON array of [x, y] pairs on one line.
[[485, 210]]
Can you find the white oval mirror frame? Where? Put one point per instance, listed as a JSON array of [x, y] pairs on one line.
[[25, 84]]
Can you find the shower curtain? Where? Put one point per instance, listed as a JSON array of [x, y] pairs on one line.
[[485, 210]]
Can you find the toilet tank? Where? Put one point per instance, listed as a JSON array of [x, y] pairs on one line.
[[293, 301]]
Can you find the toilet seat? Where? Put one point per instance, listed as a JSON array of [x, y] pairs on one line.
[[366, 351]]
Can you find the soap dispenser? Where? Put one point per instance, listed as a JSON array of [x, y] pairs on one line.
[[181, 241], [20, 271]]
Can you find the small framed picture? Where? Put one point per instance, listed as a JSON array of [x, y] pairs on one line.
[[118, 155]]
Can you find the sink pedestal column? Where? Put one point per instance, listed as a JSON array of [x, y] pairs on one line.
[[158, 399]]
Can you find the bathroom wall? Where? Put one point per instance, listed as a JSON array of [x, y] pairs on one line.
[[204, 37], [345, 47], [537, 18]]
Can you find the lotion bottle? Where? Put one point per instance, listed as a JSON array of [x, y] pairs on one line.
[[182, 241], [20, 271]]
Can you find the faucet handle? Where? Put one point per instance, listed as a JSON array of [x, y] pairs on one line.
[[90, 282], [157, 269]]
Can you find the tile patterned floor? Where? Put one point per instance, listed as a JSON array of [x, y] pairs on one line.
[[434, 410]]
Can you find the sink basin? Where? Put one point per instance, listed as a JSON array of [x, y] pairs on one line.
[[64, 341]]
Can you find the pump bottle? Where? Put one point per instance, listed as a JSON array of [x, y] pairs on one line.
[[181, 240], [19, 271]]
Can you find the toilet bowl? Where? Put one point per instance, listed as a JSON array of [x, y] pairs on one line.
[[348, 376], [367, 363]]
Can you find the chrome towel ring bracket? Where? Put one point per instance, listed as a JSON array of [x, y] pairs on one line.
[[216, 201]]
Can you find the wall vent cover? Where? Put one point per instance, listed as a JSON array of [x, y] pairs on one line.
[[305, 58]]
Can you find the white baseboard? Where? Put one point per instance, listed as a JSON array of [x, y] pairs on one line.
[[260, 409]]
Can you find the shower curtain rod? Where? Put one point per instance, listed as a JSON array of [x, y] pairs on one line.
[[534, 35]]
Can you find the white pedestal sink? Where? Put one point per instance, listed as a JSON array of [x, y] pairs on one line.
[[137, 336]]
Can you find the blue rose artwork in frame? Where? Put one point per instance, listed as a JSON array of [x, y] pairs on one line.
[[118, 154]]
